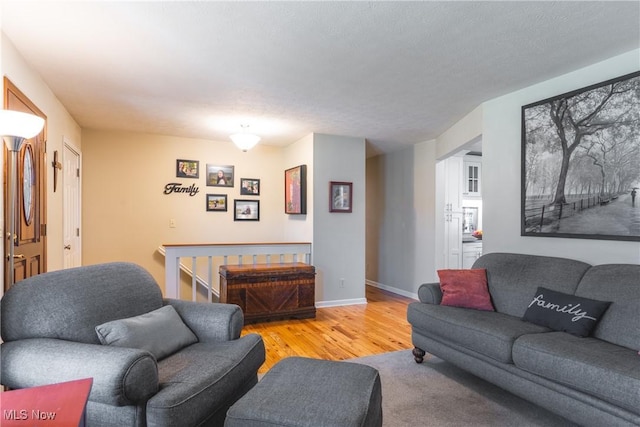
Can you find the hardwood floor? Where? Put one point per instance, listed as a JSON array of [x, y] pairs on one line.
[[339, 333]]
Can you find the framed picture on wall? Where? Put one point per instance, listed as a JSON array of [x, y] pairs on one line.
[[187, 168], [246, 210], [216, 202], [219, 176], [340, 196], [295, 190], [249, 187], [580, 173]]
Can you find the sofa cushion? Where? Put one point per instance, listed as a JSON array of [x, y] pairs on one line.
[[563, 312], [202, 378], [619, 283], [161, 332], [513, 278], [488, 333], [601, 369], [465, 288]]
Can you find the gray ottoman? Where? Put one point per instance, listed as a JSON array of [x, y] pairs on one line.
[[302, 392]]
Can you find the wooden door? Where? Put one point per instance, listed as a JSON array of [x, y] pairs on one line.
[[30, 240]]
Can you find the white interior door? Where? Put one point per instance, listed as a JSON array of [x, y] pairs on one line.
[[72, 207]]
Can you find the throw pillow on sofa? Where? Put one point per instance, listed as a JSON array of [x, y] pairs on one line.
[[564, 312], [161, 332], [466, 288]]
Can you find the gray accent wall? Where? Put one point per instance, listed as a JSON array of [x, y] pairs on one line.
[[501, 162], [339, 238], [401, 218], [403, 234]]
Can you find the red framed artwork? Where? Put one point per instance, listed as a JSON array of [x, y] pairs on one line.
[[295, 190]]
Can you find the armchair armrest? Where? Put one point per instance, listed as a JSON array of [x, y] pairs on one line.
[[121, 376], [430, 293], [210, 321]]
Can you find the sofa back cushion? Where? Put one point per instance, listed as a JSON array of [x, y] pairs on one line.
[[514, 278], [69, 304], [620, 284]]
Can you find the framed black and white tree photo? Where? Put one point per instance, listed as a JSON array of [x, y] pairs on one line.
[[581, 163]]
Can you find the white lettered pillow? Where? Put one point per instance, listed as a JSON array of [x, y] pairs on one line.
[[564, 312]]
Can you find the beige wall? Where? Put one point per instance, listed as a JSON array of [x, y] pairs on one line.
[[467, 129], [60, 126], [299, 228], [126, 215]]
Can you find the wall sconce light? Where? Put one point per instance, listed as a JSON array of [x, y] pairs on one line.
[[15, 128], [245, 140]]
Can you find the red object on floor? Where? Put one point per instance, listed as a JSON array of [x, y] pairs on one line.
[[55, 405]]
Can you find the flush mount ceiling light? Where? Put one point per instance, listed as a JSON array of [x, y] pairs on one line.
[[245, 140]]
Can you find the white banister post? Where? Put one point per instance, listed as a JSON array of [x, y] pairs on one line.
[[175, 253], [210, 281], [193, 278], [172, 273]]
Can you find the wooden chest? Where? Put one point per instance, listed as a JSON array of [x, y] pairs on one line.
[[270, 291]]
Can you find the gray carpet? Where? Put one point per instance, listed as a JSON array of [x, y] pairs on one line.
[[437, 393]]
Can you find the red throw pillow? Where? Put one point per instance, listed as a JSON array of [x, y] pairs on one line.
[[465, 288]]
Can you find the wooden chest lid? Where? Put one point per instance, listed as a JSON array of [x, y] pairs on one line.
[[266, 269]]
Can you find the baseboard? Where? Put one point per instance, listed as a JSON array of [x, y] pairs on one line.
[[337, 303], [340, 302], [392, 289]]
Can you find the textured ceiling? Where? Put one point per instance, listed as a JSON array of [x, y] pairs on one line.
[[395, 73]]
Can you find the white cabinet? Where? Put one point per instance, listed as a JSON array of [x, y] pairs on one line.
[[453, 189], [453, 213], [470, 253], [453, 240], [472, 181]]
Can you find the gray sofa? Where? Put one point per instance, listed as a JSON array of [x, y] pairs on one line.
[[592, 381], [49, 332]]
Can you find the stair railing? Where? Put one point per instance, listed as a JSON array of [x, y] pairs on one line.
[[216, 254]]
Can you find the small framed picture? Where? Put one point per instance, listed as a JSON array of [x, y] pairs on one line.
[[216, 202], [249, 187], [246, 210], [219, 176], [340, 196], [295, 190], [187, 168]]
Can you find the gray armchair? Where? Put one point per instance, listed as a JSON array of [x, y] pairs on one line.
[[49, 332]]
